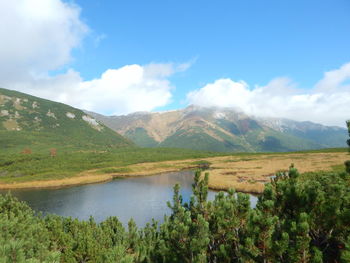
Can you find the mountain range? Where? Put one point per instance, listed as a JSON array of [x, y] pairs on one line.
[[31, 122], [222, 129], [34, 123]]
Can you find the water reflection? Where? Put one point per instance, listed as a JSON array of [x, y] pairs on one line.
[[141, 198]]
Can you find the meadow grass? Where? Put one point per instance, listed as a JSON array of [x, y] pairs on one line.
[[42, 166], [246, 172]]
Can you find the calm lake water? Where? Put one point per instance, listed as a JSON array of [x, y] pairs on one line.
[[141, 198]]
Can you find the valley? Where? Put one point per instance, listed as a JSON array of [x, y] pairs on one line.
[[45, 144], [244, 172]]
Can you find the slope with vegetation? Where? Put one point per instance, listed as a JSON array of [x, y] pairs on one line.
[[222, 129], [32, 124], [40, 167], [297, 219]]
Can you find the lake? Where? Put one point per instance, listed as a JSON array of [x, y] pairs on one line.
[[141, 198]]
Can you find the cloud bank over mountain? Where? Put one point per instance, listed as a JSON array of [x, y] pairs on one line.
[[123, 90], [327, 102]]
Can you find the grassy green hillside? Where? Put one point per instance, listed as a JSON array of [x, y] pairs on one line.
[[255, 139], [39, 125], [198, 139], [140, 137]]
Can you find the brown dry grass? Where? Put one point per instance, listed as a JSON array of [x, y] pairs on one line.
[[71, 181], [10, 125], [244, 173], [251, 173]]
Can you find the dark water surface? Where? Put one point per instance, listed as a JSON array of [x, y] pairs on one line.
[[141, 198]]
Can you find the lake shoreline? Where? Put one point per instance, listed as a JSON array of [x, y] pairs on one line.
[[246, 175], [141, 198], [93, 179], [75, 181]]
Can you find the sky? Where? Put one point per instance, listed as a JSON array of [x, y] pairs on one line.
[[272, 58]]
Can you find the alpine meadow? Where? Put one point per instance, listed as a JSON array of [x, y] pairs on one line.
[[174, 131]]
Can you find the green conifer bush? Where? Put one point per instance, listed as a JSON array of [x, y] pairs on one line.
[[347, 163], [298, 218]]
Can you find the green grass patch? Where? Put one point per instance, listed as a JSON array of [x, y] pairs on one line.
[[41, 166], [338, 168]]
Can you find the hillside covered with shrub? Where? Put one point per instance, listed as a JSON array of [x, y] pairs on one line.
[[297, 219]]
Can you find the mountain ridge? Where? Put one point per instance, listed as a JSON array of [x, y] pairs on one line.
[[222, 129]]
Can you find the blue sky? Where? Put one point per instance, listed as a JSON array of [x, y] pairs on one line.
[[254, 41], [213, 53]]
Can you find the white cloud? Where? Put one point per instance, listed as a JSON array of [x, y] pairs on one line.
[[223, 92], [334, 80], [37, 36], [124, 90], [328, 102], [117, 91]]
